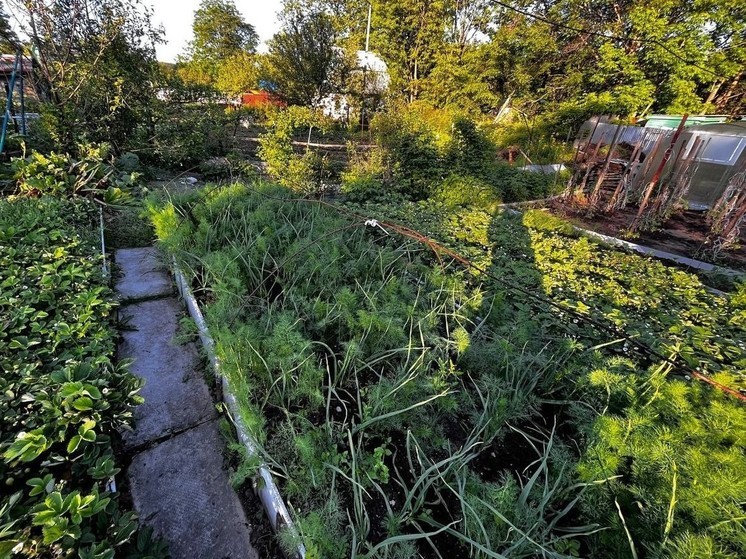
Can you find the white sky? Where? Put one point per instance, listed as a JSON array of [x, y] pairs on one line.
[[176, 16]]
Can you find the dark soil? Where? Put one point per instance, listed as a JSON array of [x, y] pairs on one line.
[[684, 233]]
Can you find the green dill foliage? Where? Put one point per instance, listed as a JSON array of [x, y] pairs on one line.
[[63, 398], [434, 402], [678, 450]]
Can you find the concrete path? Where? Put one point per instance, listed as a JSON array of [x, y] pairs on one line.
[[177, 477]]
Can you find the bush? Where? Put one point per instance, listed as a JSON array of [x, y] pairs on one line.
[[93, 175], [469, 149], [128, 162], [184, 135], [517, 185], [307, 172], [409, 153]]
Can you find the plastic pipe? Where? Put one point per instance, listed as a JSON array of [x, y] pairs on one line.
[[267, 490]]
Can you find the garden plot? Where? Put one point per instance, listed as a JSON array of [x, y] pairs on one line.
[[410, 405], [63, 398]]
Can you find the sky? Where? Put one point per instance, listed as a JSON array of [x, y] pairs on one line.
[[176, 16]]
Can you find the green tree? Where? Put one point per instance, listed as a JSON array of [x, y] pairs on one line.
[[238, 74], [220, 32], [221, 53], [409, 35], [8, 38], [95, 66], [304, 61]]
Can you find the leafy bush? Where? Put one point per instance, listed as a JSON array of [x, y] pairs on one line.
[[409, 153], [183, 135], [306, 172], [517, 185], [469, 150], [93, 175], [63, 398], [416, 148]]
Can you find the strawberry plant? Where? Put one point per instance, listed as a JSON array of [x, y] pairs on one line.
[[63, 398]]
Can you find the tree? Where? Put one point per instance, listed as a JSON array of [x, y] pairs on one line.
[[222, 41], [409, 34], [8, 39], [220, 32], [303, 61], [95, 66], [238, 74]]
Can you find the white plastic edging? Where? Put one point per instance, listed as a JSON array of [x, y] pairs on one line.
[[105, 265], [111, 485], [269, 494], [655, 253]]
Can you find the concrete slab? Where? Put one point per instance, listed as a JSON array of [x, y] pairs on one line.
[[180, 488], [144, 276], [176, 395]]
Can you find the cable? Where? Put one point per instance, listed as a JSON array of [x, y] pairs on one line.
[[604, 35]]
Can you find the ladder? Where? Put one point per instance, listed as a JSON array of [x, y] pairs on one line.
[[11, 85]]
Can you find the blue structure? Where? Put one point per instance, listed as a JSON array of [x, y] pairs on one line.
[[12, 73]]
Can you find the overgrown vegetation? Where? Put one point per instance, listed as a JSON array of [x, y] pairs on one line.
[[93, 175], [420, 153], [413, 406], [63, 398]]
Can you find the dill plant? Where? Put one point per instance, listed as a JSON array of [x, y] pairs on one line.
[[381, 378]]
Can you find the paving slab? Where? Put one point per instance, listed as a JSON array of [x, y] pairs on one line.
[[144, 276], [175, 392], [180, 488]]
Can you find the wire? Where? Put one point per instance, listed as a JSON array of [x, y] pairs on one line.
[[604, 35], [436, 247]]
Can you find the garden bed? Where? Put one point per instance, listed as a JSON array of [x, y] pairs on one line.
[[518, 407], [684, 233], [64, 398]]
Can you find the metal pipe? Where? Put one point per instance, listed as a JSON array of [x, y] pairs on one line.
[[9, 102]]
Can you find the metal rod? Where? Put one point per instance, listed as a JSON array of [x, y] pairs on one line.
[[367, 32], [9, 103]]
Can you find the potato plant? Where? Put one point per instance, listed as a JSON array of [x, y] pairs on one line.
[[413, 406], [63, 397]]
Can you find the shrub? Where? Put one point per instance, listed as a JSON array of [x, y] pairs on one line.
[[184, 135], [517, 185], [128, 162], [306, 172], [469, 150], [409, 153]]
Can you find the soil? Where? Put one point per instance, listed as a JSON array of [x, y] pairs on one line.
[[684, 233]]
